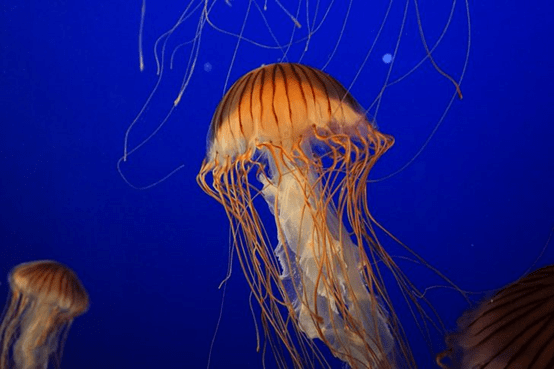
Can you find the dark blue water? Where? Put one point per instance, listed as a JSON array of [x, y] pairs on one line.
[[478, 203]]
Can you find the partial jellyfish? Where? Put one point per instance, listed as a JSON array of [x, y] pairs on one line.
[[45, 298], [514, 329], [310, 147]]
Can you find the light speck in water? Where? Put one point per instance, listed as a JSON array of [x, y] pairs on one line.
[[387, 58], [207, 67]]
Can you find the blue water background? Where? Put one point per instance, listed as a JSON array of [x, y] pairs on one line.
[[478, 203]]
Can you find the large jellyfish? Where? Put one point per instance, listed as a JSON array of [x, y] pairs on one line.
[[311, 148], [513, 329], [46, 297]]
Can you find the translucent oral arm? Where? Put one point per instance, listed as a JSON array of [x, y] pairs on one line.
[[316, 253]]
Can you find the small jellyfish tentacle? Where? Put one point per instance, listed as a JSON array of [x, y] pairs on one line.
[[17, 306], [30, 345]]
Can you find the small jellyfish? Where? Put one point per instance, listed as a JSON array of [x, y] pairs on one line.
[[45, 298], [513, 329]]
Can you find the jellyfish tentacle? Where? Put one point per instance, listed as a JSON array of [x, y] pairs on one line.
[[329, 296]]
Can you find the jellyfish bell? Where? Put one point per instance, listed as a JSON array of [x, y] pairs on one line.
[[321, 280], [288, 32], [45, 298], [513, 329]]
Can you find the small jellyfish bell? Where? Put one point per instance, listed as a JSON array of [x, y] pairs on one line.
[[311, 147], [45, 298]]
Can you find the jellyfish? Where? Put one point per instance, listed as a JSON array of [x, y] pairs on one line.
[[296, 136], [513, 329], [45, 298]]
